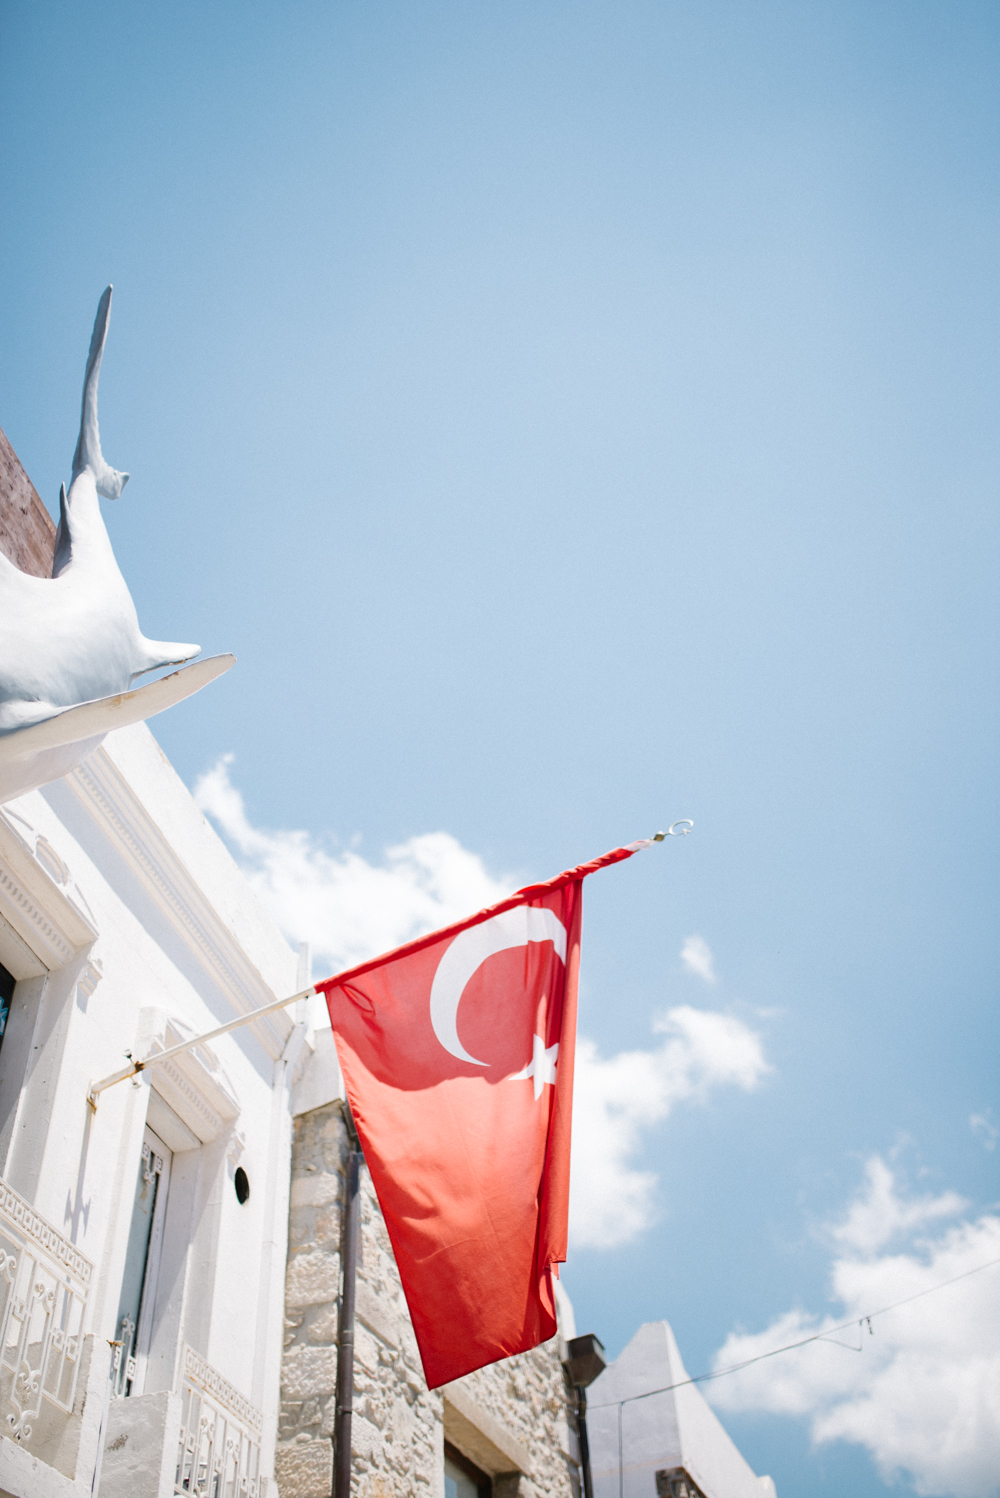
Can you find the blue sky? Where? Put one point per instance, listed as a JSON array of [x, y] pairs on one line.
[[577, 417]]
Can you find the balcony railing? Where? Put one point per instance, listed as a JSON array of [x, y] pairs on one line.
[[44, 1284], [219, 1449]]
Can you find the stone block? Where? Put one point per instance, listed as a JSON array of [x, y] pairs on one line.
[[308, 1371], [313, 1279], [304, 1469], [403, 1424], [365, 1349], [376, 1315], [322, 1329], [366, 1439], [326, 1224], [315, 1190]]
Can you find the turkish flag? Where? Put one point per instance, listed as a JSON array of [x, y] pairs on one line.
[[457, 1053]]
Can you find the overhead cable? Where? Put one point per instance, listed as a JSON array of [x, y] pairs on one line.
[[856, 1321]]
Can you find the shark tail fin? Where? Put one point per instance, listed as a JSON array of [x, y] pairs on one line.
[[88, 453]]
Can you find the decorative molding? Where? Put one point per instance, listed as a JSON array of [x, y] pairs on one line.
[[30, 923], [194, 1370], [44, 1236], [193, 1084], [88, 981], [38, 896], [237, 1144], [110, 799]]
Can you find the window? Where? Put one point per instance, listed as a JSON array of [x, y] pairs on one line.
[[7, 981], [462, 1479], [142, 1259]]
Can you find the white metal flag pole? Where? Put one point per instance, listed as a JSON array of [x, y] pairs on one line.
[[676, 829], [134, 1067]]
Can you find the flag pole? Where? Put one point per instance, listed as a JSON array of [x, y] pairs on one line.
[[350, 1234], [134, 1067], [676, 829]]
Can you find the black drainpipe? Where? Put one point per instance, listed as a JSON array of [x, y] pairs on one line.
[[345, 1329], [584, 1361]]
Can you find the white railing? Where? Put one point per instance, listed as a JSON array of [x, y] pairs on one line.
[[44, 1284], [218, 1455]]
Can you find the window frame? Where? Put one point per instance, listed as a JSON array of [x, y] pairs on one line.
[[483, 1480], [151, 1268]]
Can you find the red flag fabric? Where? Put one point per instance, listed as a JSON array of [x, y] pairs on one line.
[[457, 1053]]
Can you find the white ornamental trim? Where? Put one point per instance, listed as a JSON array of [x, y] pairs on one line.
[[52, 943], [196, 1371], [24, 1217], [166, 1074]]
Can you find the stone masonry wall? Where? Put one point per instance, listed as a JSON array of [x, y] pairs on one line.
[[398, 1426]]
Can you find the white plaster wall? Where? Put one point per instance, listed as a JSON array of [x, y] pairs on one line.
[[222, 1270]]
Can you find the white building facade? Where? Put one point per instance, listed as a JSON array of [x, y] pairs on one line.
[[157, 1222]]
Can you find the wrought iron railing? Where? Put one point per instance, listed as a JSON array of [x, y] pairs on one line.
[[44, 1284], [218, 1453]]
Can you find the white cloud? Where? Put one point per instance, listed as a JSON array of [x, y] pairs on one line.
[[924, 1394], [879, 1214], [346, 908], [984, 1128], [617, 1099], [696, 956]]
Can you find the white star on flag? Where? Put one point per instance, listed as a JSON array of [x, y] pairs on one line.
[[541, 1067]]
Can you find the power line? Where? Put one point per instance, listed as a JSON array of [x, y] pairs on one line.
[[858, 1321]]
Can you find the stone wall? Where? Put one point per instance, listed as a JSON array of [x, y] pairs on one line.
[[511, 1418]]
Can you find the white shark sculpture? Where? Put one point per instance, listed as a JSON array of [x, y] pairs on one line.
[[70, 645]]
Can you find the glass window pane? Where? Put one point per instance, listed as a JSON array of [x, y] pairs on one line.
[[458, 1484], [7, 981], [138, 1242], [149, 1188]]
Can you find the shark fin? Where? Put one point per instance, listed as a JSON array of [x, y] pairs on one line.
[[88, 453], [63, 554]]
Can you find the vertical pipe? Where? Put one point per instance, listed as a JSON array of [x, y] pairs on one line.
[[345, 1330], [581, 1430]]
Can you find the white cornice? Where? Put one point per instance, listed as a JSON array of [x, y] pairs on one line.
[[38, 896], [116, 808], [194, 1083]]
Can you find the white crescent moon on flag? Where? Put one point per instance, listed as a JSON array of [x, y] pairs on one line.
[[470, 949]]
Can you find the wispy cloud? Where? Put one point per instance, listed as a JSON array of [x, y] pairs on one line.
[[346, 908], [349, 909], [696, 956], [924, 1395], [878, 1214], [619, 1098], [985, 1129]]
